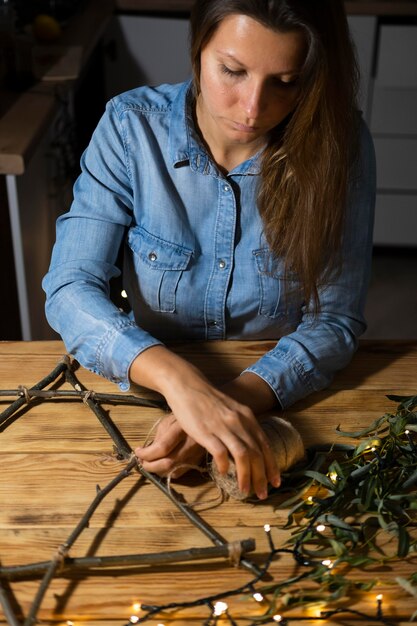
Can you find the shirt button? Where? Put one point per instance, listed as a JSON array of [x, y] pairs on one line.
[[226, 188], [212, 323], [152, 256], [222, 264]]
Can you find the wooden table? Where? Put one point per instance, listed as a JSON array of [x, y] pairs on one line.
[[55, 454]]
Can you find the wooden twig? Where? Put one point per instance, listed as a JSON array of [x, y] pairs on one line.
[[62, 394], [193, 516], [123, 449], [69, 565], [7, 608], [62, 366]]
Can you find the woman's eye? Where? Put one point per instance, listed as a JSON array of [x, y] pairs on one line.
[[226, 70]]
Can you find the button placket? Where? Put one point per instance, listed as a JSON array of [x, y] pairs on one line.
[[221, 268]]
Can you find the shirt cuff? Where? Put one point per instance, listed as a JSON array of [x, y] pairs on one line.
[[118, 349], [285, 375]]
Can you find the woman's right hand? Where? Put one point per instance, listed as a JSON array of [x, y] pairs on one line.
[[171, 452], [217, 422]]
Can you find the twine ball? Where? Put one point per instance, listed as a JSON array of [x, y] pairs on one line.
[[286, 444]]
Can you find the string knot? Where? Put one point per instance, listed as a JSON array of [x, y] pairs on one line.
[[24, 392]]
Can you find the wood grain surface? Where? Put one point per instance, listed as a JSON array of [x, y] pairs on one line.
[[55, 453]]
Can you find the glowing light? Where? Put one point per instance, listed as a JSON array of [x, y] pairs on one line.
[[328, 563], [321, 528], [333, 476], [407, 432], [277, 618], [379, 597], [123, 293], [69, 623], [373, 449], [220, 608], [310, 499], [137, 606], [267, 528], [258, 597], [133, 619]]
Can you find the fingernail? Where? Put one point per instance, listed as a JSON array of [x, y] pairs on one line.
[[263, 494], [276, 482]]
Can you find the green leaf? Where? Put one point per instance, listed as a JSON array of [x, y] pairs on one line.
[[407, 586], [365, 431], [406, 402], [410, 480], [403, 542], [320, 478]]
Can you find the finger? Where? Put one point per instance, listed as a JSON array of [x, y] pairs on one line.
[[219, 452], [162, 467], [185, 456], [269, 459], [158, 449]]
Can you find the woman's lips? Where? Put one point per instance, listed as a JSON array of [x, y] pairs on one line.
[[244, 127]]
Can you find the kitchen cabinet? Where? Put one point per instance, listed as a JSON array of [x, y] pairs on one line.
[[145, 50], [393, 123]]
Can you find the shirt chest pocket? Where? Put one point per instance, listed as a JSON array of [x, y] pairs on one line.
[[280, 296], [159, 265]]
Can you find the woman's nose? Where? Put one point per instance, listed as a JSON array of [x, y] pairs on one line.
[[254, 101]]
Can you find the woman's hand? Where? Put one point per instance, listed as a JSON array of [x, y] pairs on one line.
[[216, 421], [171, 448]]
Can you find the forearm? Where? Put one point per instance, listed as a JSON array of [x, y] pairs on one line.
[[161, 370], [253, 391]]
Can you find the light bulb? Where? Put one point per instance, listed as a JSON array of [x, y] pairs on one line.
[[328, 563], [123, 293], [277, 618], [321, 528], [133, 619], [267, 528], [137, 606], [258, 597], [220, 608], [379, 597]]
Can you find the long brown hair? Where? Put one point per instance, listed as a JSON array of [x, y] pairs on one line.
[[307, 162]]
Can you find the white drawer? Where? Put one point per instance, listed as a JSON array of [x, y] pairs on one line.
[[394, 111], [396, 220], [397, 54], [396, 163]]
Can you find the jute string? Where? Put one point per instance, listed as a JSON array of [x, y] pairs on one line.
[[286, 444]]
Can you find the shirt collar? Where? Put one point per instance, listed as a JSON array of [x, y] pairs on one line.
[[185, 146]]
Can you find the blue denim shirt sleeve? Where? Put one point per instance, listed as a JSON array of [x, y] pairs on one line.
[[102, 338], [305, 360]]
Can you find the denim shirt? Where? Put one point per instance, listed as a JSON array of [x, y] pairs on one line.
[[197, 265]]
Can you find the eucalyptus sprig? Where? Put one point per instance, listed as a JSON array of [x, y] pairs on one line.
[[367, 493]]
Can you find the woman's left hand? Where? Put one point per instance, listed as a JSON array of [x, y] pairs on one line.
[[172, 448]]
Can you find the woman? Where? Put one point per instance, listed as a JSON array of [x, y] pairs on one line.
[[245, 200]]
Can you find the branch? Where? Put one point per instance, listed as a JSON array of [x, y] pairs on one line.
[[52, 394], [7, 608], [128, 560], [62, 366]]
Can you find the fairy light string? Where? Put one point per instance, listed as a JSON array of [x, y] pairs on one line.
[[377, 477]]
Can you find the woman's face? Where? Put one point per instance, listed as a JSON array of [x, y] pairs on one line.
[[248, 81]]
